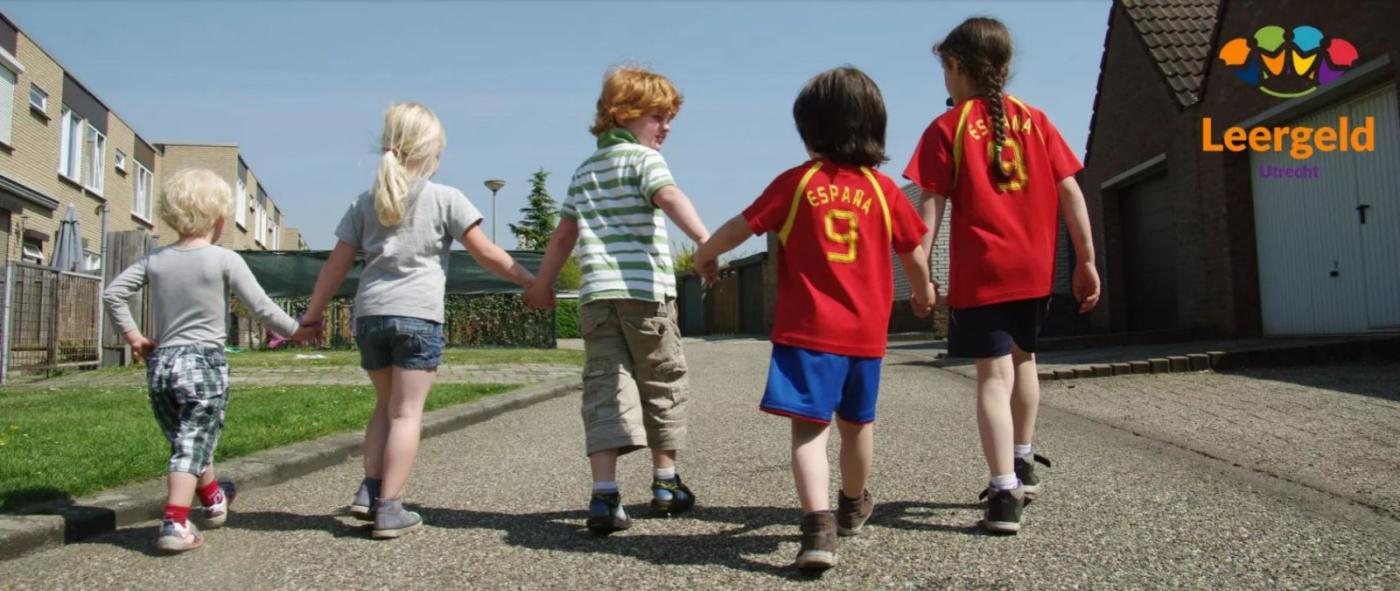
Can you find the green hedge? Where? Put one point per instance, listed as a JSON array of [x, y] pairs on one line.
[[500, 320], [566, 319]]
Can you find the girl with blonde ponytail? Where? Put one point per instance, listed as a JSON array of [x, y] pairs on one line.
[[1010, 176], [404, 225]]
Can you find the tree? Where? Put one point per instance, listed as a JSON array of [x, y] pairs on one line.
[[535, 229]]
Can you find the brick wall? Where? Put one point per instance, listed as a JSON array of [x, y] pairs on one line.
[[1136, 119]]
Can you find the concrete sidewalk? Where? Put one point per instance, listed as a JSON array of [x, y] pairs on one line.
[[1198, 497]]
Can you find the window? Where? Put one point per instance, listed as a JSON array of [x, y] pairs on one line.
[[240, 205], [260, 224], [142, 205], [70, 150], [120, 159], [91, 261], [95, 151], [33, 251], [38, 99], [276, 238], [7, 102]]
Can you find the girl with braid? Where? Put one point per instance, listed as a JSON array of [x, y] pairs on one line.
[[1008, 173]]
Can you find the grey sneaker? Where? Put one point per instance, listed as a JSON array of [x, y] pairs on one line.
[[1003, 511], [178, 537], [1025, 471], [391, 520], [818, 551], [851, 514], [363, 505]]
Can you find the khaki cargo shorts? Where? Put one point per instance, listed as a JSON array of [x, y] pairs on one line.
[[634, 380]]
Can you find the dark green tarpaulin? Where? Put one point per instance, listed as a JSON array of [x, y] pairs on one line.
[[289, 274]]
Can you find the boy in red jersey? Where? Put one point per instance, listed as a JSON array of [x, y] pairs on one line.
[[1008, 173], [838, 221]]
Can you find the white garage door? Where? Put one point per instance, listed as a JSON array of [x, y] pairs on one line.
[[1329, 247]]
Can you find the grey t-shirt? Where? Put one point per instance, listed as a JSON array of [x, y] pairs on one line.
[[187, 288], [406, 265]]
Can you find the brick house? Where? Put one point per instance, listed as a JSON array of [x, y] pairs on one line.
[[257, 224], [1197, 243], [60, 144]]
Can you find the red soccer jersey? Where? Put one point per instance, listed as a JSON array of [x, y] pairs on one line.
[[1003, 231], [837, 224]]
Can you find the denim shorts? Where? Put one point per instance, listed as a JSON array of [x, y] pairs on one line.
[[399, 341]]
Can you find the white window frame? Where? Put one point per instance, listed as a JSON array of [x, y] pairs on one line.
[[259, 225], [240, 205], [91, 261], [95, 177], [31, 251], [70, 146], [143, 200], [43, 105], [119, 159], [276, 237]]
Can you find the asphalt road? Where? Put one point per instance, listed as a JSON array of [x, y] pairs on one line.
[[1136, 500]]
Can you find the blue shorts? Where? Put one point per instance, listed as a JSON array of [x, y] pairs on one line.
[[811, 385], [399, 341]]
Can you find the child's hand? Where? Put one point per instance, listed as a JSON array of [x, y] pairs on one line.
[[1086, 286], [709, 272], [306, 334], [539, 295], [924, 300], [140, 345]]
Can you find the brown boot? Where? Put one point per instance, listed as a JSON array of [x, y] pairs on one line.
[[852, 513], [818, 541]]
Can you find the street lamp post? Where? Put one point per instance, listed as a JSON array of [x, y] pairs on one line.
[[494, 185]]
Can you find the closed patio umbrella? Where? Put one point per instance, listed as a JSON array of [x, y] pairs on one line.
[[67, 249]]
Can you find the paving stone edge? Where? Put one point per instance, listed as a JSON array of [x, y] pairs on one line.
[[57, 523]]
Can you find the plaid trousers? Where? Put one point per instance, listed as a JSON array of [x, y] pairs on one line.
[[189, 390]]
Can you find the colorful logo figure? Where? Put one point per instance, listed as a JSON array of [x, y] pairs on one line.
[[1288, 64]]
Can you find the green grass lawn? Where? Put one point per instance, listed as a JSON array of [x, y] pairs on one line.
[[460, 356], [69, 442]]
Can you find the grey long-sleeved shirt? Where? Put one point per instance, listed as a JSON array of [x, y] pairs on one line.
[[187, 287]]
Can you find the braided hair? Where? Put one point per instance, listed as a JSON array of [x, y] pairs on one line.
[[981, 46]]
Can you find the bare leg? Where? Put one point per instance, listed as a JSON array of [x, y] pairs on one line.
[[994, 383], [1025, 395], [663, 458], [857, 454], [206, 476], [181, 489], [377, 431], [603, 464], [809, 465], [410, 391]]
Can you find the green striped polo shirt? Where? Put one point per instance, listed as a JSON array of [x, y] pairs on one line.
[[623, 250]]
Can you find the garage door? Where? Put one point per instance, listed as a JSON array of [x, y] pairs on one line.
[[1329, 247], [1149, 251]]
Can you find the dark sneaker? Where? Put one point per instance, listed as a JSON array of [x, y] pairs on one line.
[[670, 497], [215, 515], [363, 505], [605, 514], [1003, 514], [818, 551], [852, 513], [391, 520], [1025, 470]]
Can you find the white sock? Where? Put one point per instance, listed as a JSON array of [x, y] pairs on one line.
[[1005, 482], [1024, 451], [665, 473], [609, 486]]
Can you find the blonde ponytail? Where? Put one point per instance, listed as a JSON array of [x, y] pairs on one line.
[[412, 143], [390, 189]]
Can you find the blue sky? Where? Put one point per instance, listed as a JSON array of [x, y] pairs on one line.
[[301, 87]]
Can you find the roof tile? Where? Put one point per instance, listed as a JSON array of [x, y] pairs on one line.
[[1177, 34]]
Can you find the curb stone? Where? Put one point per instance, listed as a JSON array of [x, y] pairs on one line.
[[56, 523], [1375, 348]]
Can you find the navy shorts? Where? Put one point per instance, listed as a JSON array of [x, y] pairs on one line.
[[988, 331], [399, 341], [811, 385]]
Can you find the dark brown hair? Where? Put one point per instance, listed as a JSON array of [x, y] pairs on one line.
[[840, 114], [981, 46]]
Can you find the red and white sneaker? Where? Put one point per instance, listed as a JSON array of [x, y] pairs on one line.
[[215, 515], [178, 537]]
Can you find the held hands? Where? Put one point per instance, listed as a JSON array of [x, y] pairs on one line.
[[1086, 286], [539, 295], [924, 299], [706, 265], [140, 345]]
